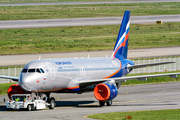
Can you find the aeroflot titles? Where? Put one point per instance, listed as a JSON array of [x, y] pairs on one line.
[[63, 63]]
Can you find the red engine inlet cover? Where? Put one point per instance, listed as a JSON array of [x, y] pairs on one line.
[[14, 89], [102, 92]]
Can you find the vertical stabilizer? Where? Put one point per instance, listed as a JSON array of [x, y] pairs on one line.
[[121, 46]]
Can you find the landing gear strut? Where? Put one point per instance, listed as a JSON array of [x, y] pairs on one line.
[[101, 103], [51, 101]]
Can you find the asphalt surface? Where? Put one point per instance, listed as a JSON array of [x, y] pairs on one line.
[[78, 106], [85, 21], [80, 3], [7, 60]]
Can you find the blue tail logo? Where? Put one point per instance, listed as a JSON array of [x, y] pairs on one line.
[[121, 46]]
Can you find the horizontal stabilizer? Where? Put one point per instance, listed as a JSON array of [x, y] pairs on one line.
[[148, 65]]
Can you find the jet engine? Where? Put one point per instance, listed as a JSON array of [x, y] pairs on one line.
[[106, 91], [15, 89]]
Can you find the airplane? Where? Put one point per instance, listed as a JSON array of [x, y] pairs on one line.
[[103, 76]]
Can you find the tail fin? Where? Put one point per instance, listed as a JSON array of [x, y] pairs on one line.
[[121, 46]]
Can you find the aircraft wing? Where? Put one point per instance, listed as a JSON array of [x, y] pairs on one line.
[[148, 65], [10, 77], [86, 83]]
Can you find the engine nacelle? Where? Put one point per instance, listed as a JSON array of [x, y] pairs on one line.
[[106, 91], [15, 89]]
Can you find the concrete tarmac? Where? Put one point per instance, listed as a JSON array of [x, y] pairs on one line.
[[78, 106], [6, 60], [11, 24]]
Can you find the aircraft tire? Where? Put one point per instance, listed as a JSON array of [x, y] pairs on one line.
[[29, 108], [51, 101], [109, 103], [34, 108], [44, 98], [101, 103]]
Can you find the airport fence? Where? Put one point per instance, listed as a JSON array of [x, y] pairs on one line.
[[160, 68], [10, 71], [15, 70]]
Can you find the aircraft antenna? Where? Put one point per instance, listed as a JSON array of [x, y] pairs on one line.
[[88, 55], [39, 57]]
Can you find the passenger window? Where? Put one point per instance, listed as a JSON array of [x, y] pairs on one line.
[[38, 71], [31, 70], [42, 71], [24, 71]]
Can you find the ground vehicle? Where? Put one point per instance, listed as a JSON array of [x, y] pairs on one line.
[[25, 102]]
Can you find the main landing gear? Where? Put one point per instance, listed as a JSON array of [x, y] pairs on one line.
[[108, 103]]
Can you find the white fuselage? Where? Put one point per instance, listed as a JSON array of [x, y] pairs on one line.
[[58, 74]]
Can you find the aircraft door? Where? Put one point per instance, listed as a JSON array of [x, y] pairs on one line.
[[82, 70], [52, 71]]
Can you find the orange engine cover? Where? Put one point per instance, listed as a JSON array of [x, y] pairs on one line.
[[14, 89], [102, 92]]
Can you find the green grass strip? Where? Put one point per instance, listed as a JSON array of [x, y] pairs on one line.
[[51, 1], [86, 38], [4, 87], [81, 11], [140, 115]]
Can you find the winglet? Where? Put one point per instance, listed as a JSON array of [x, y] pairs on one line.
[[121, 46]]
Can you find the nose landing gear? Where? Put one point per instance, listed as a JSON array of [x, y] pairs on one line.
[[51, 101]]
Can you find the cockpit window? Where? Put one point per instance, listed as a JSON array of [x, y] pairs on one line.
[[38, 71], [42, 71], [24, 70], [31, 70]]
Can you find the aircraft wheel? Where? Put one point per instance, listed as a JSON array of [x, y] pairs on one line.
[[109, 103], [34, 108], [101, 103], [29, 108], [51, 101], [44, 99]]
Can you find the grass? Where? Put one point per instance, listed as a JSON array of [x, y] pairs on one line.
[[172, 114], [4, 87], [81, 11], [42, 1], [86, 38]]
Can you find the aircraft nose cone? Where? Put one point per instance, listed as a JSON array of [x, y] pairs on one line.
[[25, 82]]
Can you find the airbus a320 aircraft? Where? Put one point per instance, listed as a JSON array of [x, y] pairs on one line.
[[78, 75]]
